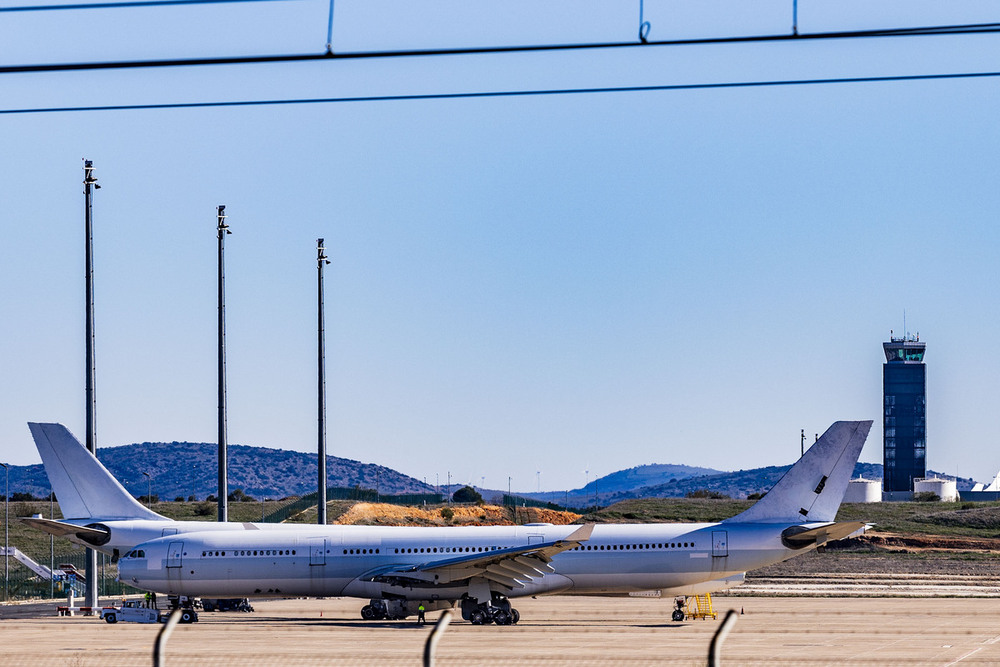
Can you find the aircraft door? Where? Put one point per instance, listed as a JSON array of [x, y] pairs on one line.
[[317, 551], [174, 552], [720, 543]]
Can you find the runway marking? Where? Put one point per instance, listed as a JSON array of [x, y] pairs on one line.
[[972, 652]]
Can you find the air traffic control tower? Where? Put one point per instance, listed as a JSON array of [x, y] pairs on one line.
[[904, 426]]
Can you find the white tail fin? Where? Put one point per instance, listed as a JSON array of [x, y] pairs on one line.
[[812, 490], [83, 486]]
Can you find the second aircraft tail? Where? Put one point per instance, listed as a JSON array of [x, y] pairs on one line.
[[83, 486], [812, 489]]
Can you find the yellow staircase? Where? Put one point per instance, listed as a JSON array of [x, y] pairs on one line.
[[700, 606]]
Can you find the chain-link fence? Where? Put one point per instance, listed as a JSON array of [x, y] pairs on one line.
[[27, 578]]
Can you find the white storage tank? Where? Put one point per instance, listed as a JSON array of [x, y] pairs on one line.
[[945, 489], [863, 490]]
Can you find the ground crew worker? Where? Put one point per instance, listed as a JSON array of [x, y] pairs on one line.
[[149, 599], [420, 613]]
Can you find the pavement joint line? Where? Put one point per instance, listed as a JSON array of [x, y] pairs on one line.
[[970, 653]]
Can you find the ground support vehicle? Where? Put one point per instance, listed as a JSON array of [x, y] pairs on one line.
[[136, 611]]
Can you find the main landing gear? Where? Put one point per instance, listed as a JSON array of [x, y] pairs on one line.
[[498, 611], [378, 610]]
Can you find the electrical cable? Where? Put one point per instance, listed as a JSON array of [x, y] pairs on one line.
[[508, 93], [976, 28], [125, 4]]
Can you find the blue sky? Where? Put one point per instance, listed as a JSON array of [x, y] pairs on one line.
[[554, 284]]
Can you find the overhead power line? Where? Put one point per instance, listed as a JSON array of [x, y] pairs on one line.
[[123, 5], [505, 93], [968, 29]]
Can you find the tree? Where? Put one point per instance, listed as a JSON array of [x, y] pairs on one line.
[[467, 494]]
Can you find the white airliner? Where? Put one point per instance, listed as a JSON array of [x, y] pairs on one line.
[[479, 567]]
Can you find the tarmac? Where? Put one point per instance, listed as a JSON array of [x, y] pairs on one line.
[[553, 632]]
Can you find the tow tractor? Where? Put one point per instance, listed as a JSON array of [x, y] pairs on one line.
[[136, 611]]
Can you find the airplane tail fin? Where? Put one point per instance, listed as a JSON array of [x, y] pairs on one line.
[[83, 486], [812, 489]]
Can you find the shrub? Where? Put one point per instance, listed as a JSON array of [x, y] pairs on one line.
[[467, 494], [926, 497], [707, 493], [447, 513]]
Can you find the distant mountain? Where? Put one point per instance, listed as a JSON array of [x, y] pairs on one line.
[[623, 482], [742, 483], [187, 468]]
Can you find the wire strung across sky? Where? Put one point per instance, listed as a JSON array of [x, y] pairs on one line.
[[925, 31], [505, 93], [122, 5]]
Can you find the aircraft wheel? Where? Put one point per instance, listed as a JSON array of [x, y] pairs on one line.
[[478, 617], [678, 615], [111, 618], [368, 613], [502, 617], [515, 616], [187, 617]]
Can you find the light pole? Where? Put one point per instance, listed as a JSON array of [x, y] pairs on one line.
[[149, 489], [223, 230], [321, 391], [538, 479], [6, 532]]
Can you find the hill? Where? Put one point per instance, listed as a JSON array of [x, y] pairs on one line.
[[624, 482], [182, 469], [740, 484]]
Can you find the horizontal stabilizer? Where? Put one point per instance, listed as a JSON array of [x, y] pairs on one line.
[[63, 529], [799, 537]]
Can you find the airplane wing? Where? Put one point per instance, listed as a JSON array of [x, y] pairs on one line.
[[511, 567], [798, 537]]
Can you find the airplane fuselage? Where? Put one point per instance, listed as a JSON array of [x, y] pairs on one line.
[[674, 559]]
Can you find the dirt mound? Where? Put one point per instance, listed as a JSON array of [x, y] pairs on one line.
[[878, 541], [380, 514]]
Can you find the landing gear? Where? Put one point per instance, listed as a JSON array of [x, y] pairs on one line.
[[678, 613], [502, 617], [498, 611]]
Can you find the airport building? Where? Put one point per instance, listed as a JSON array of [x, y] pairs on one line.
[[904, 426]]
